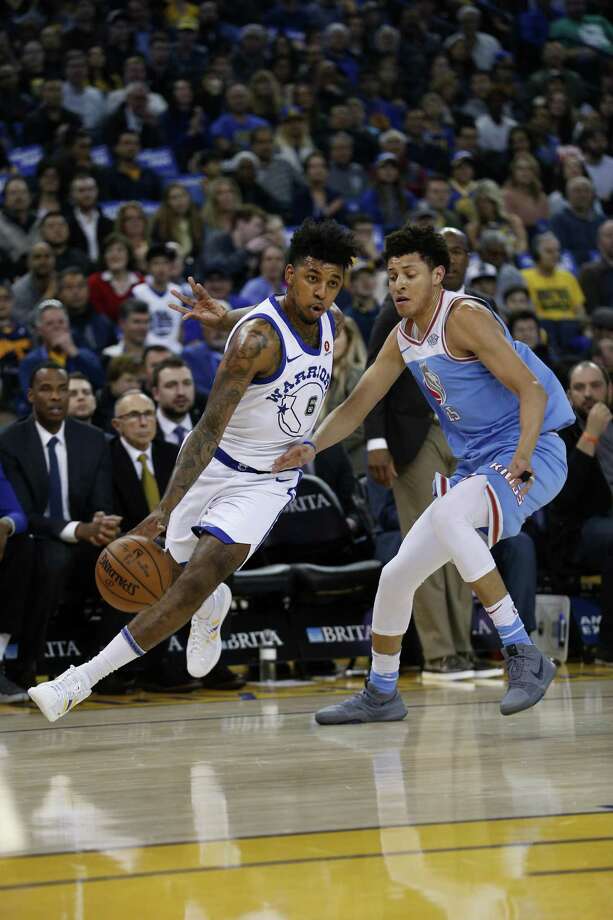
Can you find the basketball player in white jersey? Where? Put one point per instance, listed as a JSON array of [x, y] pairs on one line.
[[223, 497]]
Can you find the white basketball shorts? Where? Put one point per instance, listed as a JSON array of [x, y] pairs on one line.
[[236, 507]]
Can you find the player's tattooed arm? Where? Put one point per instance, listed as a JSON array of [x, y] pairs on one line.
[[339, 320], [255, 350], [206, 309]]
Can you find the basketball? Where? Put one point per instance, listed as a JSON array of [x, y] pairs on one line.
[[133, 572]]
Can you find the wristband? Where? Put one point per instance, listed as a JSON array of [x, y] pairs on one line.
[[590, 438], [310, 443]]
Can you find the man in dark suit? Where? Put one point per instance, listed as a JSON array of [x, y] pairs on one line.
[[406, 447], [135, 479], [60, 470], [88, 226], [16, 559]]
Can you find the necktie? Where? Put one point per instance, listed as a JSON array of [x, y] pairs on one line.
[[180, 432], [150, 486], [56, 509]]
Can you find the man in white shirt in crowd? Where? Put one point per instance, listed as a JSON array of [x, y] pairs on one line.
[[134, 326], [174, 394], [78, 96], [165, 324]]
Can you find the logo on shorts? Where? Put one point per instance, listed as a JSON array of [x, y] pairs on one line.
[[516, 489]]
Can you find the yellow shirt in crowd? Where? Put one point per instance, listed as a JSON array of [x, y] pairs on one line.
[[556, 296]]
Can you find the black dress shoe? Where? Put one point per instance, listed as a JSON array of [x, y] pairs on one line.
[[222, 678]]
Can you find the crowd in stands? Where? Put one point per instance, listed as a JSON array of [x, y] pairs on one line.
[[145, 141]]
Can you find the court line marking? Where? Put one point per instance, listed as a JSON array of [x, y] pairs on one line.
[[581, 871], [198, 841], [259, 714], [305, 860]]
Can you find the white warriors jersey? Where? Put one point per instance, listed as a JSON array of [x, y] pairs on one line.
[[276, 411]]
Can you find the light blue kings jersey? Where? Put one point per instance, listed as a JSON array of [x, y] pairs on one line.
[[478, 414], [277, 411]]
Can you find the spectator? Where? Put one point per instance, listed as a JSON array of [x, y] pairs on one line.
[[596, 278], [554, 291], [16, 566], [493, 247], [482, 46], [364, 307], [175, 395], [220, 285], [601, 322], [89, 329], [110, 287], [494, 128], [349, 365], [346, 177], [141, 113], [222, 202], [123, 373], [244, 168], [232, 130], [419, 148], [317, 199], [275, 174], [523, 193], [576, 227], [43, 125], [599, 166], [78, 97], [15, 343], [60, 471], [191, 58], [491, 215], [81, 399], [132, 222], [141, 464], [270, 280], [184, 124], [602, 354], [179, 220], [293, 139], [524, 327], [134, 327], [18, 227], [40, 282], [55, 231], [75, 159], [49, 191], [52, 327], [580, 32], [580, 520], [88, 225], [517, 300], [154, 355], [127, 180], [164, 323], [266, 95], [240, 249], [14, 103], [388, 202], [135, 116], [482, 278], [462, 184], [437, 198]]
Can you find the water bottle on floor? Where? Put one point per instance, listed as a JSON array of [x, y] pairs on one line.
[[268, 661]]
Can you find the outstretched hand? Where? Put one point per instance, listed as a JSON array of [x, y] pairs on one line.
[[200, 306], [294, 457]]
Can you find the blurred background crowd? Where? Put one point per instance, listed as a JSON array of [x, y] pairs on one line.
[[146, 141]]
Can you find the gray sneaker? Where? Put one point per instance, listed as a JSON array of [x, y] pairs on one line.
[[369, 705], [10, 692], [530, 673]]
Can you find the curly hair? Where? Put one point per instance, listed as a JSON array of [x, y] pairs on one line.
[[325, 240], [425, 241]]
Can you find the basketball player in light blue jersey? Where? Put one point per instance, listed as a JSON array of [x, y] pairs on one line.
[[223, 497], [500, 408]]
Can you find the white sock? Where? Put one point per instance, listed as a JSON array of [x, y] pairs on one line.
[[384, 671], [502, 613], [4, 641], [119, 652]]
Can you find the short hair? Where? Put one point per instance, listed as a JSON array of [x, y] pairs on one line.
[[587, 363], [45, 366], [522, 315], [541, 238], [248, 212], [168, 363], [151, 348], [113, 238], [71, 270], [160, 251], [51, 303], [515, 289], [132, 305], [122, 364], [78, 375], [50, 214], [325, 240], [425, 241]]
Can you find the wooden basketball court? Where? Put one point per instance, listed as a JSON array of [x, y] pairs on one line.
[[220, 807]]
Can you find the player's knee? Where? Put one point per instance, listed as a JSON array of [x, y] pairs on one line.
[[462, 504]]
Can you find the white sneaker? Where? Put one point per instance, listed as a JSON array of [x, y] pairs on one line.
[[56, 697], [204, 643]]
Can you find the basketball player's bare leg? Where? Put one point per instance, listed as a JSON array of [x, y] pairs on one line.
[[446, 531], [212, 561]]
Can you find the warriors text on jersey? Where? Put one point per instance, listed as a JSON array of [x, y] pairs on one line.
[[276, 411]]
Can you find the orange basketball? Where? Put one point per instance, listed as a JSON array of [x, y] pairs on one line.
[[133, 572]]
